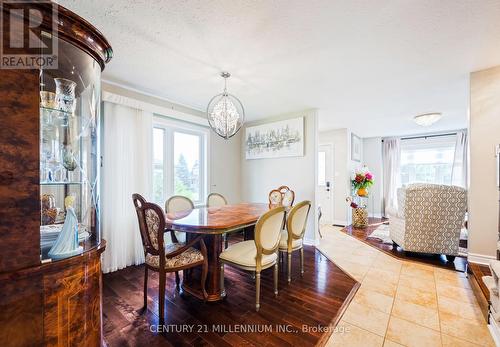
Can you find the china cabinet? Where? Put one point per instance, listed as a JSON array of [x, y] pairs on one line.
[[50, 237]]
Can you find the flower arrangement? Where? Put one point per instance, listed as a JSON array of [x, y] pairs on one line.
[[361, 181]]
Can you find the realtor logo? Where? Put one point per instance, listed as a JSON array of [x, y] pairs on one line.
[[29, 34]]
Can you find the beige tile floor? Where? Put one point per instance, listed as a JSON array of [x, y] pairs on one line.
[[402, 303]]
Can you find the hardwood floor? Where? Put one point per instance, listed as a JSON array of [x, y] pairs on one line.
[[317, 301], [361, 234]]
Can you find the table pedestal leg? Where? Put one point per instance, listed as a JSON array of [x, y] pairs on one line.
[[191, 279]]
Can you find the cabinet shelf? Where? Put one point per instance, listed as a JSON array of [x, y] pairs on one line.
[[60, 183], [54, 110]]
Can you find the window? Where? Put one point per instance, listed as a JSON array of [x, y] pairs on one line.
[[427, 160], [179, 160]]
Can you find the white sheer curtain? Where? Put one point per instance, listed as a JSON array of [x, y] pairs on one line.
[[391, 157], [127, 169], [459, 170]]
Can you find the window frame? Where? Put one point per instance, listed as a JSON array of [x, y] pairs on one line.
[[429, 142], [170, 127]]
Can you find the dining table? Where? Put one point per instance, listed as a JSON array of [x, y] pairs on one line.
[[214, 223]]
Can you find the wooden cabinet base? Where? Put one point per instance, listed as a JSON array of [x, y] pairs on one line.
[[54, 304]]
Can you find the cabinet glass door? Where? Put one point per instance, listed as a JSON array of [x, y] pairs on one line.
[[69, 151]]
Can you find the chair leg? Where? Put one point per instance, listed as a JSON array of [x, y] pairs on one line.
[[257, 291], [177, 281], [161, 299], [145, 288], [289, 264], [225, 241], [302, 262], [276, 279], [222, 277], [204, 272]]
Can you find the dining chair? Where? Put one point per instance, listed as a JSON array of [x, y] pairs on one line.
[[216, 200], [177, 203], [258, 254], [292, 238], [282, 196], [163, 258]]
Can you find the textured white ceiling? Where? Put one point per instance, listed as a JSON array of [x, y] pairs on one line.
[[367, 65]]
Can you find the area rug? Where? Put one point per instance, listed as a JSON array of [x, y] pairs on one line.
[[382, 234]]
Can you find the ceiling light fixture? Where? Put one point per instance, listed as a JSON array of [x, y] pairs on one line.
[[427, 119], [225, 112]]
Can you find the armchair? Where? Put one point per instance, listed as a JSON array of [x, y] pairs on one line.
[[429, 218]]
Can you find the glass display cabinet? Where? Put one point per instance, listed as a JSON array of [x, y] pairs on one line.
[[69, 150], [50, 237]]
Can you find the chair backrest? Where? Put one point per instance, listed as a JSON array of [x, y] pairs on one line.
[[151, 225], [268, 232], [178, 203], [216, 200], [283, 196], [297, 220], [435, 213], [288, 196]]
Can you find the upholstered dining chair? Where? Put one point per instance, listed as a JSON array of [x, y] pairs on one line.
[[163, 258], [292, 238], [258, 254], [177, 203], [283, 196], [216, 200]]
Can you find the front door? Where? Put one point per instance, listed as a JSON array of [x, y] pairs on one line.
[[324, 188]]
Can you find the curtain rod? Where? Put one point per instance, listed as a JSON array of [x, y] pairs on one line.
[[426, 136]]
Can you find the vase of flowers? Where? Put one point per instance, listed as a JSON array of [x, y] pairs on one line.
[[361, 181]]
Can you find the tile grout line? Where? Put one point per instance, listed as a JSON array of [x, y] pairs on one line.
[[393, 301], [402, 262]]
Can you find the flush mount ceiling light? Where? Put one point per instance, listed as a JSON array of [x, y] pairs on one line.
[[225, 112], [427, 119]]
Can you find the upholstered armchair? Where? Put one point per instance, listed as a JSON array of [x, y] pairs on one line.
[[429, 218]]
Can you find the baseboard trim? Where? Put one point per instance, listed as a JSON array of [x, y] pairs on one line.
[[340, 223], [309, 242], [494, 330], [480, 258]]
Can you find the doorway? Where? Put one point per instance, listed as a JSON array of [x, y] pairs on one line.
[[324, 189]]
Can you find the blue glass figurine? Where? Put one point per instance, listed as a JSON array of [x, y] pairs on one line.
[[66, 244]]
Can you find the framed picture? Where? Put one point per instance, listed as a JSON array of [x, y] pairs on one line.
[[273, 140], [355, 148]]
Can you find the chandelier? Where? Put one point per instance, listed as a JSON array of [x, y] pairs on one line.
[[225, 112]]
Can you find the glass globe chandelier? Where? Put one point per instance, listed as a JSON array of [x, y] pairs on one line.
[[225, 112]]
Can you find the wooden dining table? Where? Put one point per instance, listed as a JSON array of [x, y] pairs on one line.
[[214, 223]]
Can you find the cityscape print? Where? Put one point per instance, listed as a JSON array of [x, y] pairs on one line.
[[278, 139]]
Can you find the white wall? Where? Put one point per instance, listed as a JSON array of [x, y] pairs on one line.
[[260, 176], [484, 130], [372, 157], [225, 156], [225, 167]]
